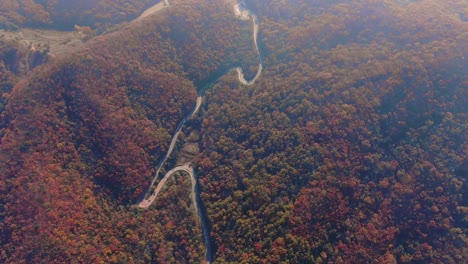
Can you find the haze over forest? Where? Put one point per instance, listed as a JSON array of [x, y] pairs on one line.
[[250, 131]]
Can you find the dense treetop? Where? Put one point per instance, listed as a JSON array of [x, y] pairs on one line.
[[64, 14], [81, 136], [350, 148]]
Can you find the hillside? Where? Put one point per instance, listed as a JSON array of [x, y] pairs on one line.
[[350, 147], [81, 135], [64, 14]]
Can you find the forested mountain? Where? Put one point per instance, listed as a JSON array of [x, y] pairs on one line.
[[80, 138], [350, 147], [347, 149], [17, 59], [65, 14]]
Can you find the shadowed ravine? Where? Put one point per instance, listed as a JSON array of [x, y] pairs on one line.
[[242, 13]]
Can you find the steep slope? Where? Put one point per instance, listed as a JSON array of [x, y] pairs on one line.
[[350, 147], [17, 59], [81, 137], [64, 14]]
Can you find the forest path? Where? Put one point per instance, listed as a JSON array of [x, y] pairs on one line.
[[155, 8], [145, 203], [245, 14], [187, 168]]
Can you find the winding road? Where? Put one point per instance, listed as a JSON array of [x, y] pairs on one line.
[[145, 203], [155, 8], [245, 14], [242, 13]]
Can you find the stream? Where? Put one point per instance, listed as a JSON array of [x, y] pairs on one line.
[[242, 13]]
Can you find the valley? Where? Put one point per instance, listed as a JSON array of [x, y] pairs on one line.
[[253, 131], [242, 13]]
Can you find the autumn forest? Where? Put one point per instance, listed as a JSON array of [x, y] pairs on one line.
[[350, 147]]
